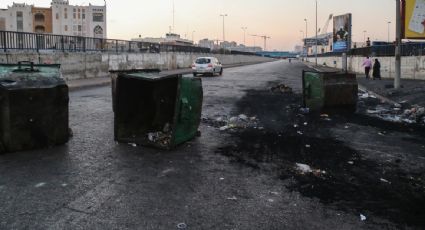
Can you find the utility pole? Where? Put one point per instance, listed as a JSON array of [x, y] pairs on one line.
[[388, 40], [174, 12], [364, 36], [223, 15], [193, 37], [316, 33], [244, 35], [398, 47], [306, 31]]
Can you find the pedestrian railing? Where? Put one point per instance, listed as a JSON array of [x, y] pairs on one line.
[[10, 40]]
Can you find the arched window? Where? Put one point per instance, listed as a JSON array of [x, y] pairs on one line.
[[98, 32], [39, 17], [40, 29]]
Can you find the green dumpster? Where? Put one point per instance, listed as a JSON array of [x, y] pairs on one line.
[[155, 109], [33, 107], [329, 90]]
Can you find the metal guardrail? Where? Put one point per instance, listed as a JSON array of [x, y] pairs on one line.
[[407, 49], [10, 40]]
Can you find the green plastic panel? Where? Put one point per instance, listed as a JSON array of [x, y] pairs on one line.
[[313, 91], [189, 109]]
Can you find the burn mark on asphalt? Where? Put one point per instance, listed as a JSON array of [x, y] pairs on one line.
[[345, 179]]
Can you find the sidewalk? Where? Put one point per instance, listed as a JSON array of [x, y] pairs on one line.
[[412, 92]]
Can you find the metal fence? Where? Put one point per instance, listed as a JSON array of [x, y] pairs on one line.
[[407, 49], [10, 40]]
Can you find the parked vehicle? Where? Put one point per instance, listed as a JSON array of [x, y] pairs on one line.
[[207, 65]]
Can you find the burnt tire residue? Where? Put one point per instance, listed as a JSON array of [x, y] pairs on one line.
[[355, 187]]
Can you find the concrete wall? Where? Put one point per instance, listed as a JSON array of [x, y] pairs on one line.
[[412, 67], [91, 65]]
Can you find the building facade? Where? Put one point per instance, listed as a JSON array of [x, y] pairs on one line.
[[86, 21], [61, 18], [17, 17]]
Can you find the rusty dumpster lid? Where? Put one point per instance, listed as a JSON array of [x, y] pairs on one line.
[[30, 75], [149, 76]]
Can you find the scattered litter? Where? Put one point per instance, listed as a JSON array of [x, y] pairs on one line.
[[362, 217], [324, 115], [304, 110], [385, 181], [307, 146], [133, 144], [64, 185], [270, 200], [181, 226], [396, 105], [243, 117], [281, 88], [300, 133], [40, 185], [303, 168], [350, 162], [295, 126], [381, 134], [161, 137], [231, 198], [305, 123], [346, 127], [233, 119], [274, 193], [221, 178], [224, 128]]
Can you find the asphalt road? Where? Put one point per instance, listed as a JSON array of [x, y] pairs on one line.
[[240, 178]]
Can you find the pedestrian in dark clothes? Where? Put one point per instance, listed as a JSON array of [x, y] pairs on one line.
[[376, 70]]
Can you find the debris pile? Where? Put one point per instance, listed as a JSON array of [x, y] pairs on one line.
[[223, 123], [161, 137], [416, 114], [281, 88]]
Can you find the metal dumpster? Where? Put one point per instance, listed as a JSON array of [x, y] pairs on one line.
[[114, 75], [155, 109], [33, 107], [329, 90]]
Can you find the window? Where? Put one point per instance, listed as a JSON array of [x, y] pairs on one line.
[[57, 16], [79, 16], [19, 21], [66, 27], [66, 15], [98, 32], [75, 16], [79, 28], [97, 17], [39, 17]]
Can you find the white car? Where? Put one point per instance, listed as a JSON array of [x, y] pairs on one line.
[[207, 65]]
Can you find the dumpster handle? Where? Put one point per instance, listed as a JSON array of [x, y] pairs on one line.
[[26, 62]]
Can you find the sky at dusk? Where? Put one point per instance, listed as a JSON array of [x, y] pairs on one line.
[[282, 20]]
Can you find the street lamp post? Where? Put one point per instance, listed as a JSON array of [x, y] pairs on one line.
[[398, 46], [388, 40], [244, 35], [364, 36], [306, 31], [193, 37], [223, 15], [316, 33]]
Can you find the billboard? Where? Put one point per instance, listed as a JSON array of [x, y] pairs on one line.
[[342, 33], [413, 14], [309, 42]]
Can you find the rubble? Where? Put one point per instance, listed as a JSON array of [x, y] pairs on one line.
[[281, 88], [242, 121], [303, 168]]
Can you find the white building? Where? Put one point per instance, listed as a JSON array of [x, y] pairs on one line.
[[17, 17], [206, 43], [170, 39], [86, 21]]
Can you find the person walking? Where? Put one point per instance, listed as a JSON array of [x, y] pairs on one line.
[[376, 70], [367, 63]]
